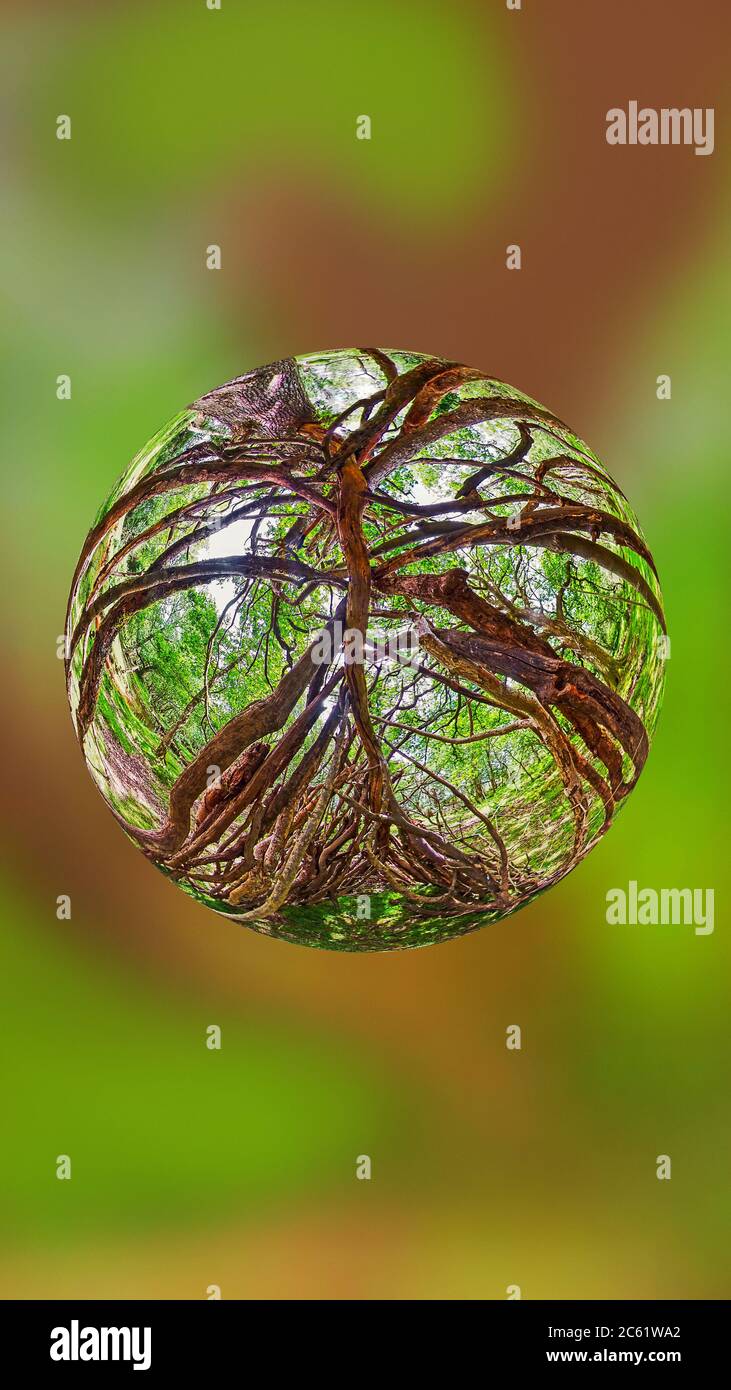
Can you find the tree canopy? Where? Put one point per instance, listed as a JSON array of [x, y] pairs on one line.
[[479, 737]]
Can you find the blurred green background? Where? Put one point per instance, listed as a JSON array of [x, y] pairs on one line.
[[237, 1168]]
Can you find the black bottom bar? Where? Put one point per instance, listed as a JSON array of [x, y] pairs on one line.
[[86, 1338]]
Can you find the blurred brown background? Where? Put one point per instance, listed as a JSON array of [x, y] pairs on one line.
[[490, 1167]]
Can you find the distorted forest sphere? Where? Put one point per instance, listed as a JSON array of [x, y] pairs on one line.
[[365, 649]]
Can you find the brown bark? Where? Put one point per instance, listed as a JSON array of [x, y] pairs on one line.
[[471, 412], [271, 400], [350, 511], [259, 719], [511, 649]]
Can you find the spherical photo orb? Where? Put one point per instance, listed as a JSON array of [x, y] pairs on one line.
[[365, 649]]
